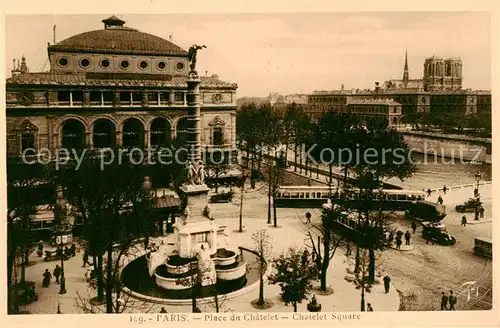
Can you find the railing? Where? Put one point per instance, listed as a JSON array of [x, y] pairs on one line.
[[465, 186]]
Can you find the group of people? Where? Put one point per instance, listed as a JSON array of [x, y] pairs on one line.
[[399, 237], [429, 191], [450, 300], [47, 276]]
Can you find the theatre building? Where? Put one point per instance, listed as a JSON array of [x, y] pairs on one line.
[[115, 86]]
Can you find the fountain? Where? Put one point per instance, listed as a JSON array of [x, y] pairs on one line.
[[198, 253]]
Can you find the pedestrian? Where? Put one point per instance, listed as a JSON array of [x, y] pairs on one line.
[[391, 238], [398, 242], [464, 221], [67, 252], [476, 192], [73, 250], [163, 310], [308, 217], [57, 272], [481, 212], [429, 238], [414, 226], [348, 249], [440, 200], [407, 237], [444, 301], [86, 258], [88, 275], [46, 278], [429, 192], [40, 245], [452, 300], [387, 283], [444, 190], [369, 309]]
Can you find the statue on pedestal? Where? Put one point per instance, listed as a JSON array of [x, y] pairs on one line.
[[195, 173], [193, 51]]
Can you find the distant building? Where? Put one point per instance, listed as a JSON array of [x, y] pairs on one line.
[[376, 107], [440, 91]]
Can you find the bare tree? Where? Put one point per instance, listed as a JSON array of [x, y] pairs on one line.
[[360, 277], [329, 240], [263, 245]]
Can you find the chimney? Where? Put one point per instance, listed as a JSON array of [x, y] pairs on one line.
[[342, 87]]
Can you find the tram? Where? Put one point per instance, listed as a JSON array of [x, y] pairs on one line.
[[316, 196], [42, 224]]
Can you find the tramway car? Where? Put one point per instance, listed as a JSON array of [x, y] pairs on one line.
[[315, 196]]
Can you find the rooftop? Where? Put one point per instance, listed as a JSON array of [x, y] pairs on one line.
[[373, 101], [109, 79], [117, 38]]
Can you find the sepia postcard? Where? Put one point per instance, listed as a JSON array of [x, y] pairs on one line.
[[267, 164]]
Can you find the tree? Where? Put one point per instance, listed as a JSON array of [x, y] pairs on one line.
[[360, 277], [275, 178], [263, 246], [294, 273], [330, 242], [25, 189], [216, 165], [115, 210]]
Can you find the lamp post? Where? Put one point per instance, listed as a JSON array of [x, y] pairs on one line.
[[476, 211], [62, 290]]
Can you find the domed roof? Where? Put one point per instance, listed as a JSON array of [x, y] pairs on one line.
[[116, 38]]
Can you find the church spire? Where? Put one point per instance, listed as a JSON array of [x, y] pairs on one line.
[[406, 76]]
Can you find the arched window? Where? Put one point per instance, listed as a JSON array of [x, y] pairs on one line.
[[160, 132], [104, 133], [182, 129], [133, 133], [73, 135]]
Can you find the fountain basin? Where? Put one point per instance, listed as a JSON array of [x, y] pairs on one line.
[[178, 265], [232, 273], [173, 281], [224, 257]]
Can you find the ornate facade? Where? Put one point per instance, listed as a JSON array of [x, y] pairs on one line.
[[114, 86]]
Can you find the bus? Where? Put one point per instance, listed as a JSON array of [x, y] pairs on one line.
[[483, 247], [316, 196]]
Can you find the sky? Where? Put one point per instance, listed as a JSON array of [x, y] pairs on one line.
[[289, 53]]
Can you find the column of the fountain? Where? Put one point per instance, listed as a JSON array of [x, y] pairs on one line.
[[194, 118]]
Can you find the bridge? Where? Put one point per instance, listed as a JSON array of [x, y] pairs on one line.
[[462, 193]]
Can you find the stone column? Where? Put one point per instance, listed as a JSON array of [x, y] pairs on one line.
[[194, 129]]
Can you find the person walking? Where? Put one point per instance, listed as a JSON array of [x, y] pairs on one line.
[[429, 238], [369, 308], [86, 258], [414, 226], [348, 249], [387, 283], [398, 242], [73, 250], [57, 273], [429, 192], [464, 221], [444, 301], [452, 300], [481, 212], [308, 217], [163, 310], [407, 237], [46, 278], [440, 200], [444, 190]]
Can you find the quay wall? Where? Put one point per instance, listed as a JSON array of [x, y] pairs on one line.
[[458, 147]]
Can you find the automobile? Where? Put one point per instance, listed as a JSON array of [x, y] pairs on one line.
[[436, 232], [55, 255], [469, 206], [422, 210], [222, 197]]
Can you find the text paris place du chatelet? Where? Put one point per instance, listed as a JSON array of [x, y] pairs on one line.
[[244, 317]]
